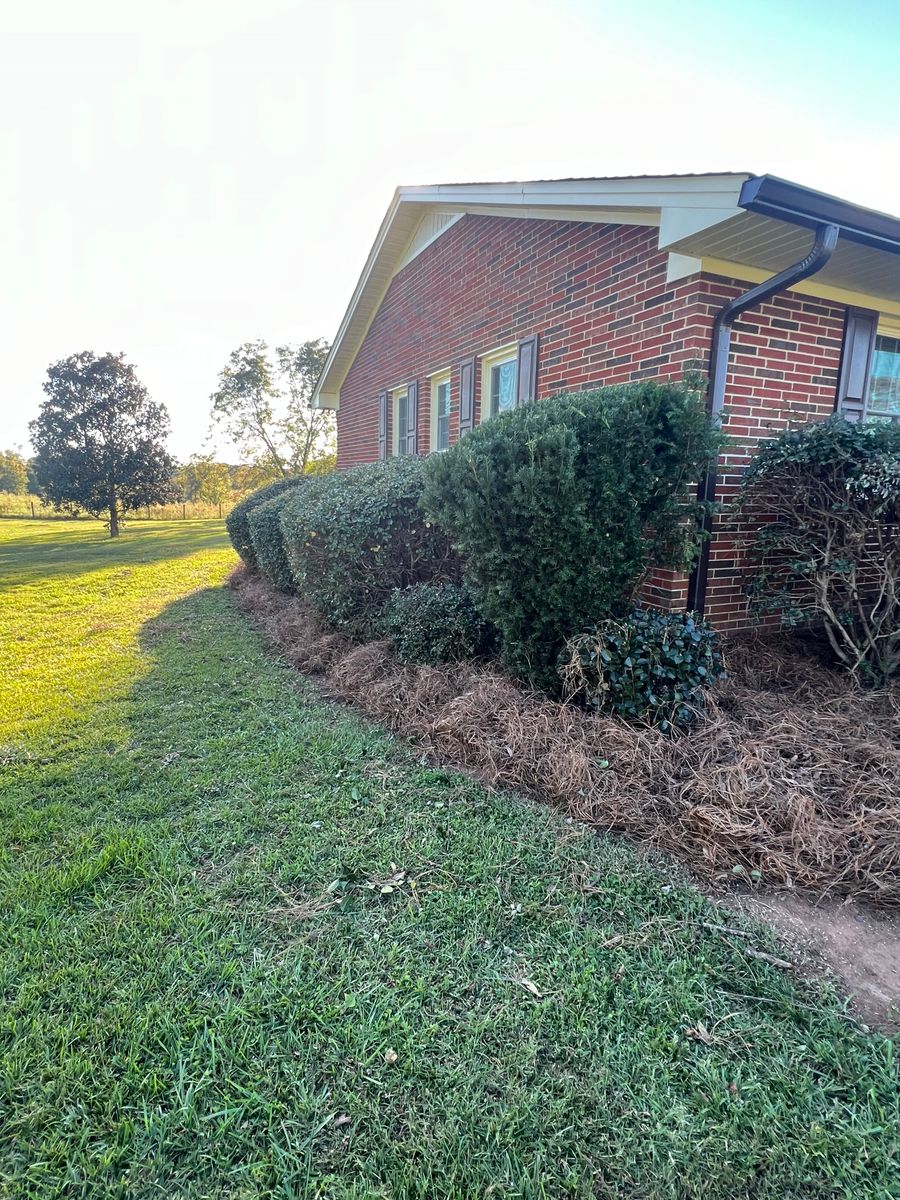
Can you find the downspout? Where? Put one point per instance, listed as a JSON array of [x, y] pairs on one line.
[[823, 248]]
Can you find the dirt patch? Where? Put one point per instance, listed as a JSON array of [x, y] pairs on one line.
[[861, 949], [792, 772]]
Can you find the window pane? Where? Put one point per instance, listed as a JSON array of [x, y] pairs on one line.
[[884, 386], [443, 432], [503, 387], [443, 416], [402, 421]]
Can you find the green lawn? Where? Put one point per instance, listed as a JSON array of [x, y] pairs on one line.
[[253, 947]]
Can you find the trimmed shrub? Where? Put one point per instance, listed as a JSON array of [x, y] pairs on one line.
[[650, 666], [434, 623], [355, 537], [238, 520], [268, 543], [561, 507], [825, 500]]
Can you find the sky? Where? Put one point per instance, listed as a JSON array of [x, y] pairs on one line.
[[181, 176]]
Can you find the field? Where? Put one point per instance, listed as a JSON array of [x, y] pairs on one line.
[[253, 946]]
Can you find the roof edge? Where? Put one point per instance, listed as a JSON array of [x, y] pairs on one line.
[[771, 196], [641, 193]]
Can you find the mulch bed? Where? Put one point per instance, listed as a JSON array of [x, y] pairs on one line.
[[792, 771]]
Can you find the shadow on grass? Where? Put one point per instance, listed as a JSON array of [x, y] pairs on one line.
[[75, 552]]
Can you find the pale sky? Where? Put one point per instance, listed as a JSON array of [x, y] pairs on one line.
[[180, 176]]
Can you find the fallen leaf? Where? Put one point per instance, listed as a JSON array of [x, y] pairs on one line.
[[531, 987], [700, 1034]]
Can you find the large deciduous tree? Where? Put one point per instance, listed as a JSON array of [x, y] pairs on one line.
[[99, 439], [309, 432], [264, 407]]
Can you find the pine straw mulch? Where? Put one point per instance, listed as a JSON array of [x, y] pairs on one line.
[[792, 771]]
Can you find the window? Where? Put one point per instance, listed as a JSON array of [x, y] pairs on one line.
[[499, 378], [883, 399], [440, 411], [399, 420], [869, 378]]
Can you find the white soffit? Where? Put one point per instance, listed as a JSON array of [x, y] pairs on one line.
[[763, 243]]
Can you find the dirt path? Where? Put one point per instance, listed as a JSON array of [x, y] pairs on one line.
[[859, 948]]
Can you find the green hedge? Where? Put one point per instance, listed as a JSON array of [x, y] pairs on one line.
[[268, 543], [354, 537], [650, 666], [560, 508], [437, 623], [238, 520]]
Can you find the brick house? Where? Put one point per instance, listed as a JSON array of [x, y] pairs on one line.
[[478, 297]]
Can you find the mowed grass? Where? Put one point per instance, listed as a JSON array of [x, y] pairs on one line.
[[253, 947]]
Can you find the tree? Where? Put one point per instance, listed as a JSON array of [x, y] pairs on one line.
[[309, 432], [265, 410], [244, 403], [99, 439], [13, 473], [211, 480]]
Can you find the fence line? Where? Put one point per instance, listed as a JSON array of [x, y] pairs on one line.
[[28, 506]]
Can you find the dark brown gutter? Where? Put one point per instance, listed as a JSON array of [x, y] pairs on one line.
[[823, 248]]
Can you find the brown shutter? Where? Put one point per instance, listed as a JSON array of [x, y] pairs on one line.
[[856, 362], [526, 375], [382, 425], [466, 395], [412, 419]]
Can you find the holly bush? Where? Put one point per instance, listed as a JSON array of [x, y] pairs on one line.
[[437, 623], [561, 507], [354, 537], [267, 540], [649, 666], [238, 520]]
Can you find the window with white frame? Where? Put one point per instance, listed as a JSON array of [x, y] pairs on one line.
[[399, 420], [440, 410], [883, 399], [499, 379]]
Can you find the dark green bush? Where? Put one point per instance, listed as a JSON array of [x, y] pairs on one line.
[[825, 504], [649, 666], [268, 543], [562, 506], [238, 520], [355, 537], [437, 623]]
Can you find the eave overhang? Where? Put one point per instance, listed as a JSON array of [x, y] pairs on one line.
[[772, 228], [737, 225], [683, 201]]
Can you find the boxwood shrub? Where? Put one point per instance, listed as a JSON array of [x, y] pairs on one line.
[[650, 666], [355, 537], [238, 520], [562, 506], [268, 543], [437, 623]]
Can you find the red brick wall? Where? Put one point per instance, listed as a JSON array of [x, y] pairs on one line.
[[783, 370], [596, 294], [598, 297]]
